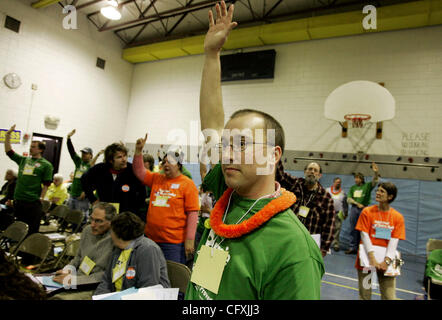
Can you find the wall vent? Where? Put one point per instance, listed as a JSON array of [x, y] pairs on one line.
[[12, 24], [101, 63]]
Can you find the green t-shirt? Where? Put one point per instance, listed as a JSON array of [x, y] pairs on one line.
[[80, 168], [362, 193], [278, 260], [31, 174]]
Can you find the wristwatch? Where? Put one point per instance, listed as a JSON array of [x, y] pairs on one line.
[[387, 261]]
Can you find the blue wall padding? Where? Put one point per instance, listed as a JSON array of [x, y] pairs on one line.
[[420, 202]]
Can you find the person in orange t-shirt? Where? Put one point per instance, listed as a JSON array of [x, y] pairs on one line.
[[380, 225], [173, 208]]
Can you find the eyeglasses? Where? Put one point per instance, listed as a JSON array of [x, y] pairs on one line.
[[237, 146], [97, 221]]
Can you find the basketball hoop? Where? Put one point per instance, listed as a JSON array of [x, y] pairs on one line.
[[358, 120]]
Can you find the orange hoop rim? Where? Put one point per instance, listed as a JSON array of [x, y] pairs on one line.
[[357, 117]]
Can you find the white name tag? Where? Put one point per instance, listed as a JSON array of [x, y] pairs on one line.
[[175, 186], [303, 211], [209, 268], [357, 193]]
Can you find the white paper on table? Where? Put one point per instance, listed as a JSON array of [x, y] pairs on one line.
[[150, 293], [102, 296]]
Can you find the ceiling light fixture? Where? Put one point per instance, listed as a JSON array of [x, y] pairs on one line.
[[111, 10]]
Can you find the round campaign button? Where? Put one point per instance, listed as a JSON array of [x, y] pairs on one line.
[[125, 188], [207, 223], [130, 273]]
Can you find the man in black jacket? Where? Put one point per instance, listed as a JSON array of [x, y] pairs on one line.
[[114, 182]]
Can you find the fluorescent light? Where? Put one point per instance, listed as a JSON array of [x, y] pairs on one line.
[[111, 12]]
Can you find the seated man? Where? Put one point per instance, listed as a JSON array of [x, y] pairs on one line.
[[92, 256], [6, 198], [57, 192], [7, 191], [136, 260]]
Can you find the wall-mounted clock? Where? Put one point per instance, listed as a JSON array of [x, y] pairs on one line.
[[12, 80]]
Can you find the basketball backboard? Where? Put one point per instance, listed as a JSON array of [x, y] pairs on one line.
[[360, 98]]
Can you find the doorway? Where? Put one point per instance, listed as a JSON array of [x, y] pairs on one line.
[[52, 152]]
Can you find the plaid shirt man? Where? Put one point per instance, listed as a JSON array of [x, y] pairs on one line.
[[321, 217]]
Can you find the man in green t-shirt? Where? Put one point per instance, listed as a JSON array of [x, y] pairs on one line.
[[359, 197], [78, 199], [253, 247], [34, 178]]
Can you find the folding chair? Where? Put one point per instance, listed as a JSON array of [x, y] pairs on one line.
[[68, 253], [45, 204], [74, 218], [58, 213], [179, 275], [12, 237], [37, 245]]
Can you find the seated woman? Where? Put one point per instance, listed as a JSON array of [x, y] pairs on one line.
[[136, 261]]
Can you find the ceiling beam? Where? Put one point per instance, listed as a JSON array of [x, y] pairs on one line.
[[87, 4], [120, 5], [43, 3], [162, 15]]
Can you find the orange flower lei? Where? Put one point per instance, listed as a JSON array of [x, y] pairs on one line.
[[285, 201], [334, 191]]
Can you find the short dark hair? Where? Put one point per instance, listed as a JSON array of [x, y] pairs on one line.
[[112, 149], [390, 188], [127, 226], [148, 158], [360, 175], [336, 179], [41, 145], [270, 123], [110, 210]]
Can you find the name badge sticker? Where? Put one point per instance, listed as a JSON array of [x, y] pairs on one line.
[[382, 233], [28, 170], [175, 186], [303, 211], [357, 194], [209, 267], [87, 265]]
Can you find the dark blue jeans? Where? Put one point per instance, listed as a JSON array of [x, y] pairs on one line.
[[355, 235], [173, 251]]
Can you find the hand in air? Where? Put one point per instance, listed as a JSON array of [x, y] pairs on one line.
[[220, 28], [139, 145]]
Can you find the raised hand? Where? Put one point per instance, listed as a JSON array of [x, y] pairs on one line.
[[10, 130], [139, 145], [70, 134], [220, 28], [374, 166]]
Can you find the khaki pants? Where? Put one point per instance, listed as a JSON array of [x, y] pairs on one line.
[[387, 286]]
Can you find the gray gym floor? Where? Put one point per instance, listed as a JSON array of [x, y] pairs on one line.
[[340, 280]]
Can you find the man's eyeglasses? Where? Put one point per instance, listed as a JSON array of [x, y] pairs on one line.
[[97, 221], [238, 146]]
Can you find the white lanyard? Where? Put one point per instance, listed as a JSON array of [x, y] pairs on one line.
[[240, 219]]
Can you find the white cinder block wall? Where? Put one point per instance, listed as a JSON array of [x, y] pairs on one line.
[[165, 93], [62, 64]]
